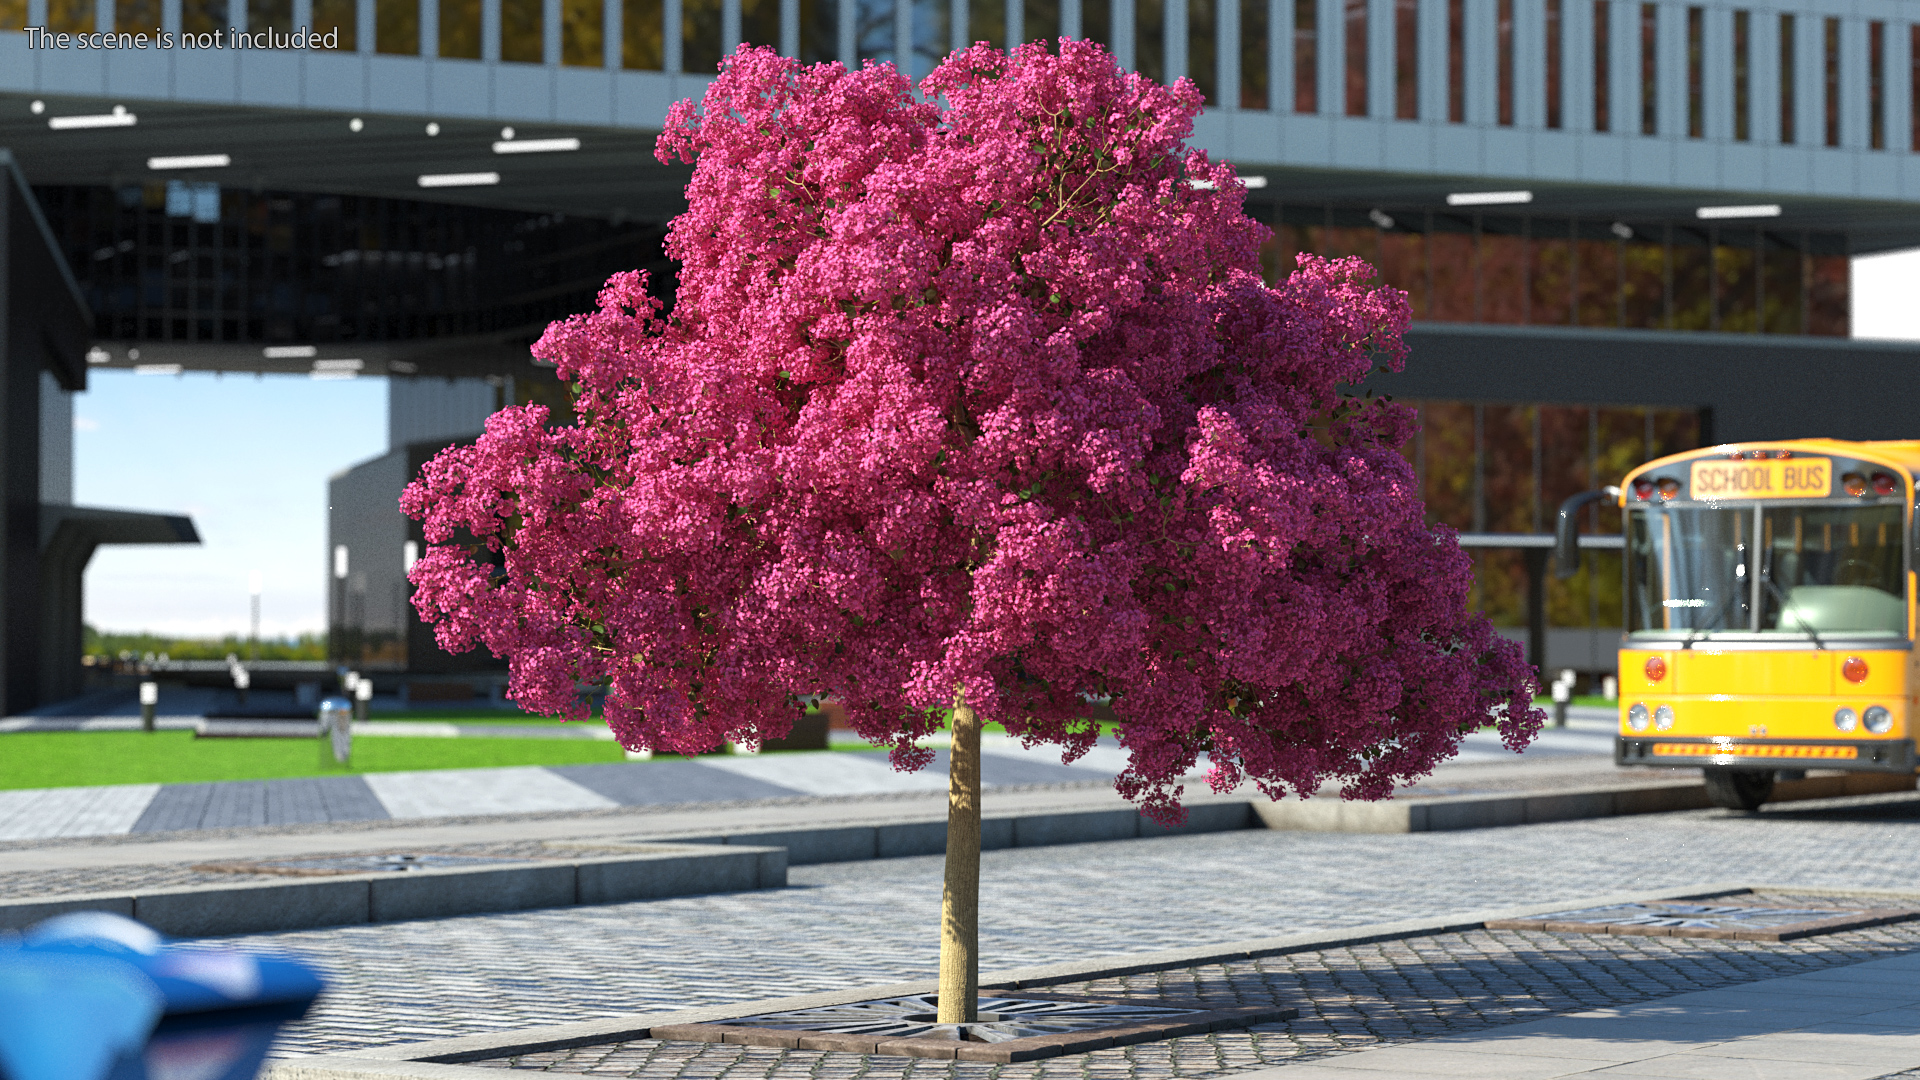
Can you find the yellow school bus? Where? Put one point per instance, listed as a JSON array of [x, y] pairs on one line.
[[1769, 611]]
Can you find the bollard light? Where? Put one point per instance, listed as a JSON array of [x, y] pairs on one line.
[[336, 730], [149, 698], [362, 698]]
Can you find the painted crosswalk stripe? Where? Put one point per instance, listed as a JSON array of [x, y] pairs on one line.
[[451, 792]]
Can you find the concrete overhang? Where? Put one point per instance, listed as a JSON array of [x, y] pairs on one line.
[[99, 525], [1867, 225], [613, 175]]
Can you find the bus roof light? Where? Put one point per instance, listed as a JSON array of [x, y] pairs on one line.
[[1854, 483], [1656, 669], [1669, 487], [1854, 669], [1884, 484], [1643, 489]]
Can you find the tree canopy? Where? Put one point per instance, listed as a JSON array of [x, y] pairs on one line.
[[975, 391]]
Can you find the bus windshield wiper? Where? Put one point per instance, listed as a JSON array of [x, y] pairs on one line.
[[1718, 623], [1781, 598]]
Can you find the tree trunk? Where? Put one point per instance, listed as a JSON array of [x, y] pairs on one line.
[[960, 901]]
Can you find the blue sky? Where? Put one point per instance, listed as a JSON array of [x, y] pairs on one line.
[[249, 459]]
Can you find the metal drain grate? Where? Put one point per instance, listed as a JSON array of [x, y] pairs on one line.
[[1010, 1029], [1737, 921]]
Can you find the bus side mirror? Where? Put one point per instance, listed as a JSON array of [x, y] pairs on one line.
[[1566, 530]]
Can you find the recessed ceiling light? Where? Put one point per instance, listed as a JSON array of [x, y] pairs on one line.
[[289, 352], [338, 365], [98, 355], [465, 179], [433, 128], [1621, 229], [119, 117], [157, 369], [506, 133], [536, 146], [1711, 213], [355, 124], [1253, 183], [1489, 198], [190, 161], [37, 107]]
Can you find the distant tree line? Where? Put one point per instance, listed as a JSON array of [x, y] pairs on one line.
[[116, 646]]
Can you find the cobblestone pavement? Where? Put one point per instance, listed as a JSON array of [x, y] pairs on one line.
[[1349, 999], [858, 924]]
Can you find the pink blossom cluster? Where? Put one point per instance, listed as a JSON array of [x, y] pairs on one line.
[[974, 391]]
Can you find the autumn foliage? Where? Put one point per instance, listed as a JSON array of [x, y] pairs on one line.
[[974, 390]]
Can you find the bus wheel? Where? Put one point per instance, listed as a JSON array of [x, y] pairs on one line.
[[1738, 789]]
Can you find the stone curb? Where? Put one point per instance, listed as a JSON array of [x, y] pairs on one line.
[[349, 899], [1444, 813], [438, 1059]]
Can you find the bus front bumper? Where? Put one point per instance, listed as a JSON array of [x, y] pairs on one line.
[[1865, 755]]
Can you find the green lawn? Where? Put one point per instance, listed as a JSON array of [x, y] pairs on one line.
[[77, 758], [1578, 699]]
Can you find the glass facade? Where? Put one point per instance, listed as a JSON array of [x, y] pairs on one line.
[[196, 263], [1503, 468], [1543, 271]]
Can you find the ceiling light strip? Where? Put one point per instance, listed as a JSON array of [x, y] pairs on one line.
[[470, 179], [535, 146], [190, 161]]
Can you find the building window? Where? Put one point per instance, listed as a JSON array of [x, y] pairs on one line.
[[1457, 61], [1200, 45], [396, 27], [1553, 63], [699, 36], [1742, 77], [139, 16], [1149, 38], [200, 17], [13, 15], [1356, 13], [1503, 45], [1831, 56], [1789, 72], [1649, 69], [932, 34], [341, 15], [1096, 20], [1602, 65], [1306, 56], [520, 31], [872, 32], [1877, 85], [76, 16], [1696, 73], [582, 32], [1253, 53], [1406, 59], [819, 31], [1913, 85], [261, 14], [642, 33], [760, 22], [1041, 22]]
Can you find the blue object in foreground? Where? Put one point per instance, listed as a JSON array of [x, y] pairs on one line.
[[94, 996]]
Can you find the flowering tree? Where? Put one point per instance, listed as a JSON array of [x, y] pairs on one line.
[[973, 405]]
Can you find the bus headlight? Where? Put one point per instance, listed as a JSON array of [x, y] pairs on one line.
[[1637, 717], [1663, 718], [1845, 720], [1878, 720]]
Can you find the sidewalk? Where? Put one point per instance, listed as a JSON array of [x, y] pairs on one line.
[[1857, 1022], [1584, 748]]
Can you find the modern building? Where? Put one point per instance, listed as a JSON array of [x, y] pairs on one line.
[[1624, 226]]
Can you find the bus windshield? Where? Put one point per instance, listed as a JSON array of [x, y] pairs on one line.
[[1790, 570]]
